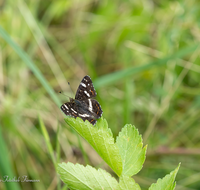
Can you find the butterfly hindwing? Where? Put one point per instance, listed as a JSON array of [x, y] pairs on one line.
[[70, 109], [93, 107], [86, 89]]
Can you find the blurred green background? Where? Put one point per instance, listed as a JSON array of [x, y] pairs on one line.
[[143, 57]]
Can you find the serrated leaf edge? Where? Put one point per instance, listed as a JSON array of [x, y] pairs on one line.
[[80, 122]]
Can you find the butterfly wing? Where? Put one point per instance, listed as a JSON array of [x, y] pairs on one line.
[[70, 109], [87, 110], [86, 89], [82, 106], [96, 108], [92, 107]]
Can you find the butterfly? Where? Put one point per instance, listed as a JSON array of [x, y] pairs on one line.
[[83, 106]]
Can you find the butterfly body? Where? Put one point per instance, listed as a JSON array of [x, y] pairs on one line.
[[83, 106]]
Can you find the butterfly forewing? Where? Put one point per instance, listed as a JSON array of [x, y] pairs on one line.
[[86, 89], [82, 106]]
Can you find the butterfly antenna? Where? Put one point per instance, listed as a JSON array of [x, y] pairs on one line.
[[70, 89], [64, 94]]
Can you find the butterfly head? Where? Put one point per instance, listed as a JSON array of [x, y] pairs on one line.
[[71, 100], [77, 102]]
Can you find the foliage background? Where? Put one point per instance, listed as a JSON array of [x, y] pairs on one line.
[[69, 39]]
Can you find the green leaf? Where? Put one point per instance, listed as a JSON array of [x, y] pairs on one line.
[[126, 183], [101, 139], [84, 178], [131, 150], [166, 183]]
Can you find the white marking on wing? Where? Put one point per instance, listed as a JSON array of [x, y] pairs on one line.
[[90, 105], [65, 106], [73, 110], [87, 93], [83, 115], [84, 85]]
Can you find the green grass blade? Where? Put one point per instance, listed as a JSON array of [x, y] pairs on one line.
[[129, 95], [47, 141], [23, 55], [58, 145], [58, 154], [115, 76], [5, 165]]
